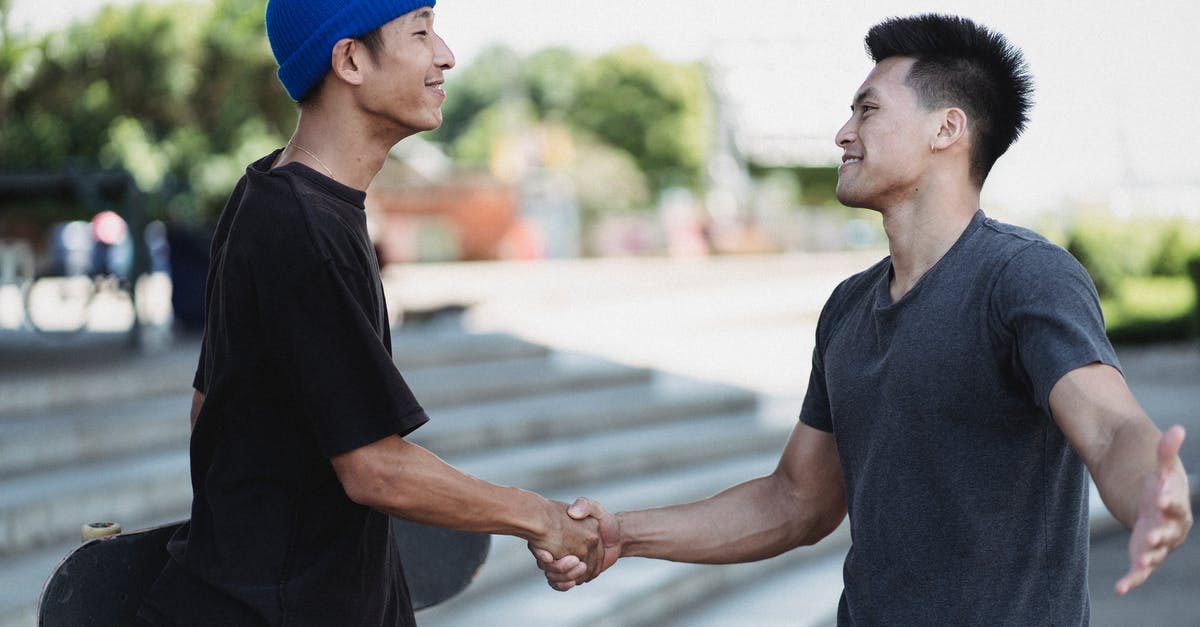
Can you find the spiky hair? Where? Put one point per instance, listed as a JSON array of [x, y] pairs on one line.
[[962, 64]]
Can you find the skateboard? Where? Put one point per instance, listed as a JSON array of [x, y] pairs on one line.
[[101, 582]]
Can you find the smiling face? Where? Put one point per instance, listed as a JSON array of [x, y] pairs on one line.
[[886, 142], [402, 86]]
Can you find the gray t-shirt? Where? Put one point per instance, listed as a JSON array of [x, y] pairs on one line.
[[967, 504]]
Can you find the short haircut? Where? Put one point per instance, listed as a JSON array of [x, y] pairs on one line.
[[372, 41], [962, 64]]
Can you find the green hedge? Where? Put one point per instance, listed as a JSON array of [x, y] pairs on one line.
[[1147, 272], [1151, 309], [1114, 249]]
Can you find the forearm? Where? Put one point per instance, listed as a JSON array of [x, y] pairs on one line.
[[1125, 466], [408, 481], [751, 521]]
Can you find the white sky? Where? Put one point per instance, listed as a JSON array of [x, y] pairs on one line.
[[1116, 81]]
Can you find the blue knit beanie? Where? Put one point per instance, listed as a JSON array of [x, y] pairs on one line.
[[302, 33]]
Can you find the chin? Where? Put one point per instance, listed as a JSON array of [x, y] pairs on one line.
[[856, 202], [848, 198]]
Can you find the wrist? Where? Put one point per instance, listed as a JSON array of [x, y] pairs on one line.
[[627, 537], [534, 516]]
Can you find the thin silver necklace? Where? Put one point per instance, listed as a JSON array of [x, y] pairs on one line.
[[310, 153]]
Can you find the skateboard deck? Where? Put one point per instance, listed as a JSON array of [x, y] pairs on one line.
[[101, 583]]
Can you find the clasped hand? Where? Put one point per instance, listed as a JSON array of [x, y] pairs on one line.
[[570, 539], [568, 571]]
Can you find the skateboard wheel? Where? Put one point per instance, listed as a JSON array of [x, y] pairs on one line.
[[94, 530]]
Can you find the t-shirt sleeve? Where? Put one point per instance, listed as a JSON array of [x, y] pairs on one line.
[[1047, 303], [199, 380], [815, 411], [342, 374]]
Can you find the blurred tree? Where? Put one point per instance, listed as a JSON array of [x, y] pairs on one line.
[[642, 123], [657, 111], [551, 76], [493, 78], [181, 94]]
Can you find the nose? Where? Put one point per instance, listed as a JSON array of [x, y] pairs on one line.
[[442, 55], [847, 134]]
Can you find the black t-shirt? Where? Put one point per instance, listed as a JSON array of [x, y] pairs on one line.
[[967, 504], [296, 367]]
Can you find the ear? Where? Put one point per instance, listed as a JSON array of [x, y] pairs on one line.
[[347, 60], [952, 128]]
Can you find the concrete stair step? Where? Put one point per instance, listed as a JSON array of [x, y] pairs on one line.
[[39, 509], [425, 349], [44, 507], [573, 413], [443, 386], [40, 441], [47, 439], [611, 456], [126, 375]]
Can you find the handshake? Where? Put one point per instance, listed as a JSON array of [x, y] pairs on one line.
[[570, 570]]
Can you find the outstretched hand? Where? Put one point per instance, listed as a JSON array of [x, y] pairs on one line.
[[567, 572], [1164, 514]]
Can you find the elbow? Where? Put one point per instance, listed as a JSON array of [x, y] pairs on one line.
[[815, 512], [824, 524], [361, 481], [360, 492]]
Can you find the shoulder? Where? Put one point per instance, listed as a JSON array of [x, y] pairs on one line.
[[1029, 251], [287, 215], [1016, 252]]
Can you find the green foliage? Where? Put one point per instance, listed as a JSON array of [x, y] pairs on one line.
[[551, 76], [1151, 309], [1114, 249], [632, 123], [815, 186], [170, 92], [607, 181], [654, 110], [1141, 268], [183, 94], [493, 78]]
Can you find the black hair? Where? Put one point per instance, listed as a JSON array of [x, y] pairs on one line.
[[962, 64], [372, 41]]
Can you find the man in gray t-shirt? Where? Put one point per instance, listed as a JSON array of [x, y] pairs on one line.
[[960, 389], [964, 496]]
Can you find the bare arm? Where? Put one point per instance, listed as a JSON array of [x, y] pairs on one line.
[[197, 403], [798, 504], [802, 501], [1136, 467], [404, 480]]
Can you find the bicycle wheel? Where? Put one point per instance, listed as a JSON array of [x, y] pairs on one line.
[[59, 304]]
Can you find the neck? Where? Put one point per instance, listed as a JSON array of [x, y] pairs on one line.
[[920, 233], [337, 146]]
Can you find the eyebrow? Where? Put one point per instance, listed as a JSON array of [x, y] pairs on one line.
[[869, 92]]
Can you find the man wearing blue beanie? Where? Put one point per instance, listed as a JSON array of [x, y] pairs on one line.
[[299, 412]]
